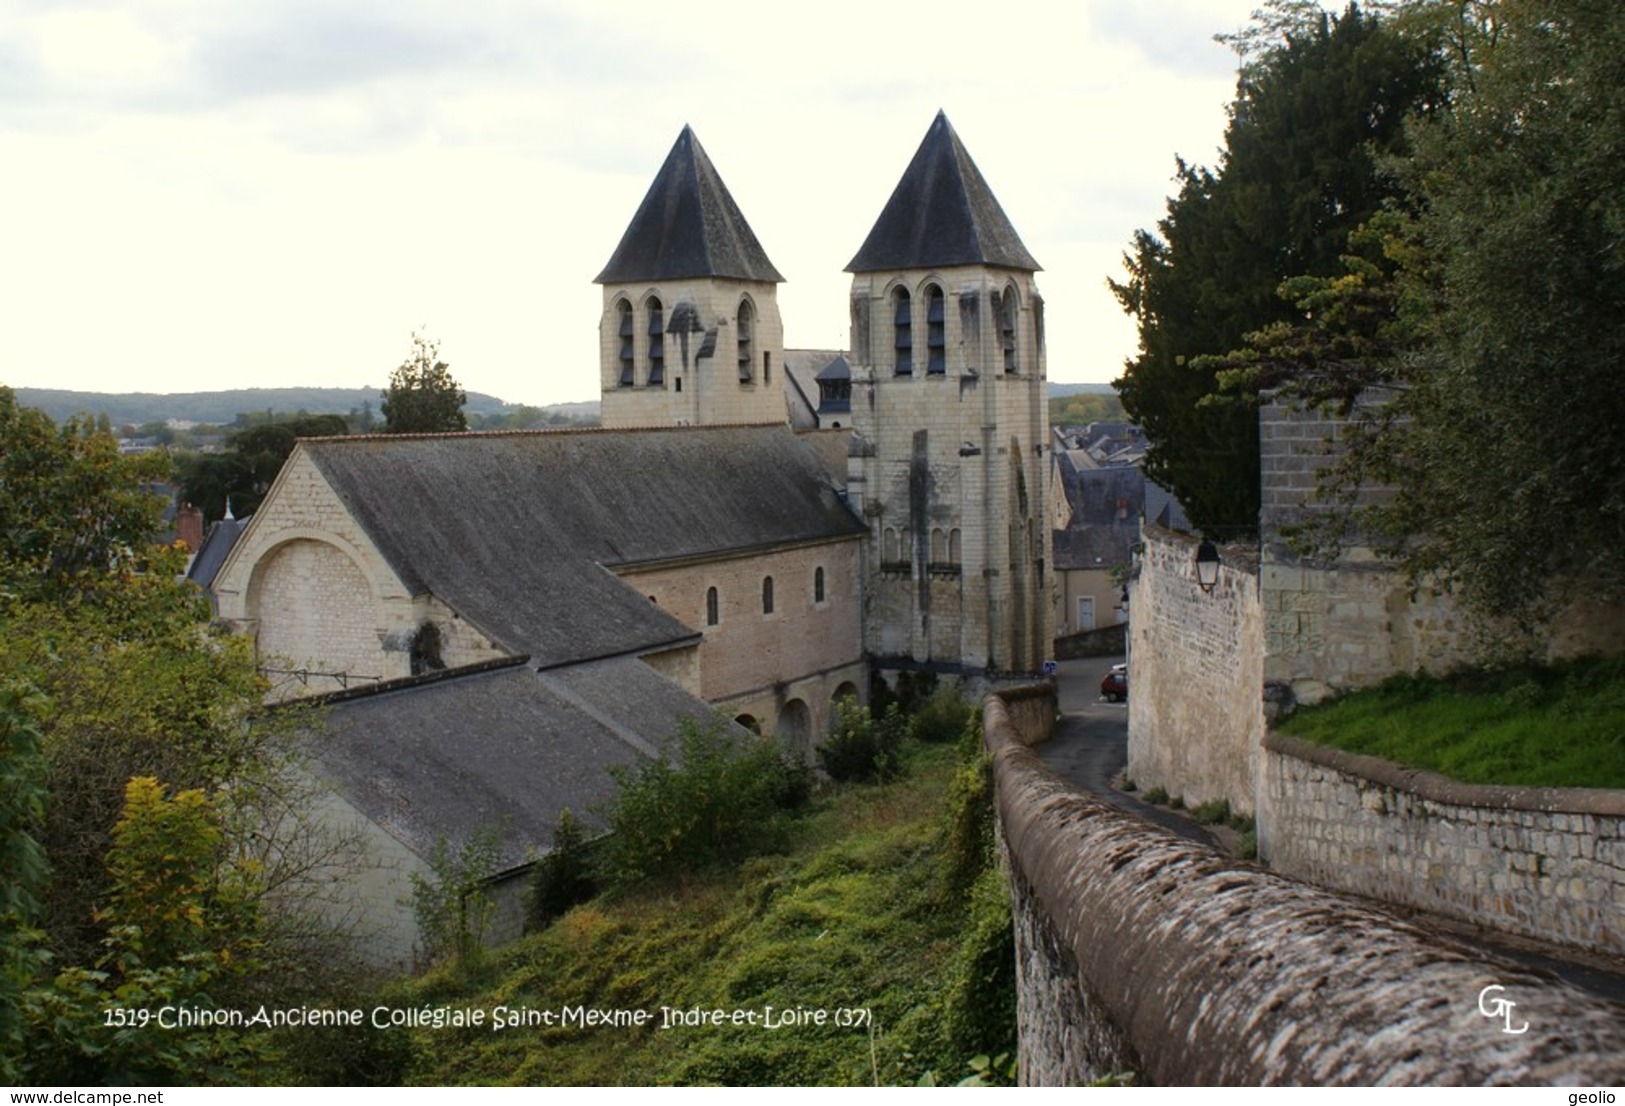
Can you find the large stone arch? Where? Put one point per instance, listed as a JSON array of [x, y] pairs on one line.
[[794, 728], [315, 611]]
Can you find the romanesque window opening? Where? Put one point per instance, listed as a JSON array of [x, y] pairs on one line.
[[818, 584], [626, 332], [767, 595], [747, 335], [936, 333], [657, 341], [1007, 329], [712, 611], [767, 367], [903, 332]]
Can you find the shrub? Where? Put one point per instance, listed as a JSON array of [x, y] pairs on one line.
[[861, 747], [564, 877], [1212, 812], [941, 719], [707, 798], [969, 848]]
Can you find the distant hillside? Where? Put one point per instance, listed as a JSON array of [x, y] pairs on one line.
[[224, 407], [1058, 390]]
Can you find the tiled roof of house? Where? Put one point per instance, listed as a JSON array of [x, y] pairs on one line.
[[688, 226], [1105, 504], [517, 532], [942, 213]]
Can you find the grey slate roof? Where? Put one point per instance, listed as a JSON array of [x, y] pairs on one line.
[[511, 747], [688, 226], [217, 543], [514, 530], [801, 367], [1097, 537], [942, 213]]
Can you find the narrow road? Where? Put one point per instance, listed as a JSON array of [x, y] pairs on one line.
[[1090, 745], [1090, 748]]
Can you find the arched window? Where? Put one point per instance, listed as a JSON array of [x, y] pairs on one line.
[[657, 341], [712, 611], [747, 336], [903, 332], [953, 546], [625, 332], [767, 595], [818, 584], [936, 333], [939, 546], [888, 545], [1007, 305]]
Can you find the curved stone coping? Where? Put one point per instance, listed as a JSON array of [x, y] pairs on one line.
[[1222, 973], [1442, 789]]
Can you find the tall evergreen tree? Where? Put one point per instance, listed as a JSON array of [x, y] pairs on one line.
[[1313, 113]]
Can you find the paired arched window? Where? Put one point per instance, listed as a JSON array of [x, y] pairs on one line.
[[936, 332], [767, 595], [747, 339], [625, 334], [902, 333], [713, 611], [657, 341]]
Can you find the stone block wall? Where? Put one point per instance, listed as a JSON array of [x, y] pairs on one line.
[[695, 391], [1195, 709], [1140, 951], [761, 664], [1548, 863]]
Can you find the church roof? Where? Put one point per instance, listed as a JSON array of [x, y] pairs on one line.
[[516, 531], [942, 213], [511, 747], [688, 226]]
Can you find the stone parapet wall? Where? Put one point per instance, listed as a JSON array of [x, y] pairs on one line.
[[1136, 947], [1548, 863], [1195, 710]]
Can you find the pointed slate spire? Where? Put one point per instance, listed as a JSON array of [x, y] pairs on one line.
[[688, 226], [942, 213]]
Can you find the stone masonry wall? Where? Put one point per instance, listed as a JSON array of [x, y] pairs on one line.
[[1195, 707], [1140, 950], [1548, 863]]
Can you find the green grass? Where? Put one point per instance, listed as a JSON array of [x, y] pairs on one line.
[[1558, 726], [857, 912]]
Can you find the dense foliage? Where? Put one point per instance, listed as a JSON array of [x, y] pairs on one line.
[[160, 840], [1314, 111]]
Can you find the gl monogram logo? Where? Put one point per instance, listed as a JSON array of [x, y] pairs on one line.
[[1499, 1007]]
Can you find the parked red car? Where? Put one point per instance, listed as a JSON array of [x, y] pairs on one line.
[[1114, 685]]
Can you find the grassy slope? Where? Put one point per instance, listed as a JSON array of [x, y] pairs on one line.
[[856, 914], [1550, 727]]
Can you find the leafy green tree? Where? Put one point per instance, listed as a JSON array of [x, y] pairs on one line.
[[1511, 463], [423, 398], [1314, 110]]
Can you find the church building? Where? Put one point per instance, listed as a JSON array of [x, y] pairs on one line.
[[496, 619]]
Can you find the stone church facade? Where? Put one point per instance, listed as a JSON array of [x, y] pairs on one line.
[[936, 560], [497, 620]]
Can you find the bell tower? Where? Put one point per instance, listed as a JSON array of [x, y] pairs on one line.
[[951, 423], [690, 333]]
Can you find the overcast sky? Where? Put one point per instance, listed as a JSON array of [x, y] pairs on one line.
[[260, 193]]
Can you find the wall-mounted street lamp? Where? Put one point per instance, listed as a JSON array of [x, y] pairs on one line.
[[1207, 566]]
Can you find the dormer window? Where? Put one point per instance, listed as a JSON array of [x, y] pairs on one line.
[[625, 333], [936, 332], [657, 341], [903, 333], [747, 334]]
